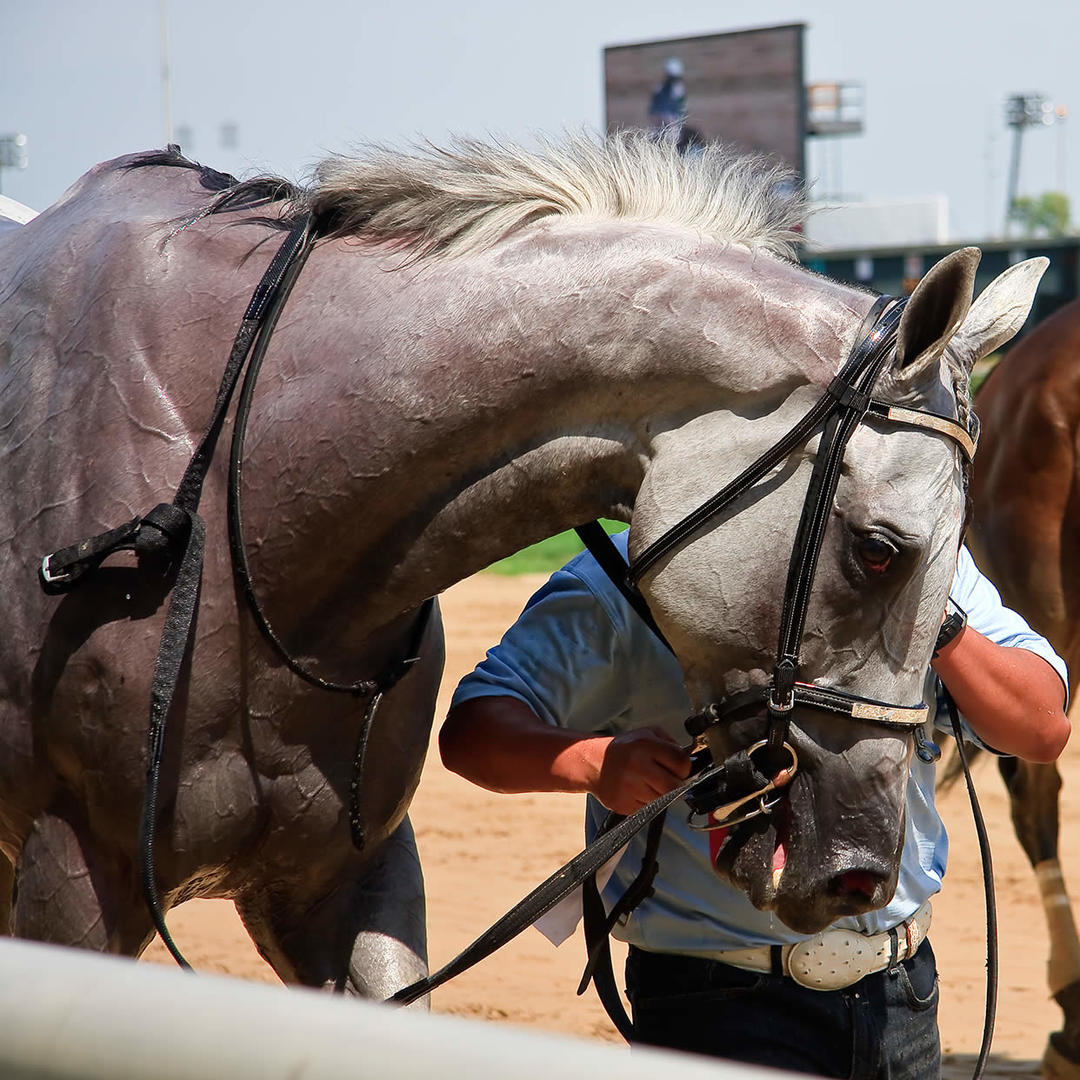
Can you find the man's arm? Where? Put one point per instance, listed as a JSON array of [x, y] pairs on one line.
[[1012, 697], [499, 743]]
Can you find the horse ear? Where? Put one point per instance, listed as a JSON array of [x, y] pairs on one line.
[[935, 311], [1000, 310]]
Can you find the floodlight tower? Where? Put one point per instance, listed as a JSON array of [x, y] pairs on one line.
[[1022, 111]]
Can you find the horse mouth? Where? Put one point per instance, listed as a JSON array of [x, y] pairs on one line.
[[781, 813], [778, 860], [773, 830]]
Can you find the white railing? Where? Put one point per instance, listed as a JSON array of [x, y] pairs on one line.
[[65, 1013]]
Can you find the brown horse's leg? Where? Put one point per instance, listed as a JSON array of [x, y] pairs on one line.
[[68, 894], [1033, 793], [367, 936]]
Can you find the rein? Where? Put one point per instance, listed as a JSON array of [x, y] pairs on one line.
[[176, 534]]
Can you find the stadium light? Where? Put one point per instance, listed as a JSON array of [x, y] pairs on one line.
[[1023, 111]]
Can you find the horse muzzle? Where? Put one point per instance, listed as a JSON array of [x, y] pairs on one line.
[[823, 841]]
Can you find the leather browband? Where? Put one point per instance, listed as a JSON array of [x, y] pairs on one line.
[[929, 421]]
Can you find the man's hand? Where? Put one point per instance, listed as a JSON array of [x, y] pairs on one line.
[[636, 767], [502, 745]]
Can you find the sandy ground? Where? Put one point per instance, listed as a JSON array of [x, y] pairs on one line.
[[483, 852]]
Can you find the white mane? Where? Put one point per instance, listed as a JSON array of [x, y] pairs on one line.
[[432, 201]]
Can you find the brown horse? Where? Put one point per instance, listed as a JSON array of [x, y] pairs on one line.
[[1025, 534], [484, 348]]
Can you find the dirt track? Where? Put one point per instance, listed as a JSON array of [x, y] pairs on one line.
[[483, 852]]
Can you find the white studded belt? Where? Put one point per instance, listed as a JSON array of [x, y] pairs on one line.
[[837, 958]]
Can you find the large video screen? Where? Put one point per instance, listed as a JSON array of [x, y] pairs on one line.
[[744, 88]]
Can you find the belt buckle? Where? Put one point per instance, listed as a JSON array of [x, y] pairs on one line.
[[832, 960]]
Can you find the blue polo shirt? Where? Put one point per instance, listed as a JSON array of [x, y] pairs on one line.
[[581, 658]]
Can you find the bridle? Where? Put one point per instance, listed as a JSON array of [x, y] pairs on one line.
[[847, 401]]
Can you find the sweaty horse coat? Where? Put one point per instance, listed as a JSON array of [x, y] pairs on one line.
[[494, 346]]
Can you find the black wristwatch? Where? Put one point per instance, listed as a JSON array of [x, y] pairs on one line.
[[955, 621]]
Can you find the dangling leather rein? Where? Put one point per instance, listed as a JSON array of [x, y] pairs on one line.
[[174, 534]]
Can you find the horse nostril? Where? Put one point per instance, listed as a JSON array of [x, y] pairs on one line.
[[863, 882]]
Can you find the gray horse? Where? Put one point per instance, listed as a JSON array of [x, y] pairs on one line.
[[487, 346]]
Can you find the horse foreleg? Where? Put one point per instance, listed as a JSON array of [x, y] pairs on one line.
[[367, 936], [389, 950], [70, 894], [1033, 794]]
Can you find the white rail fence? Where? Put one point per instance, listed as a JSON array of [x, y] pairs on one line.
[[67, 1014]]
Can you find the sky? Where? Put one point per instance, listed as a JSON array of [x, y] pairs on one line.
[[295, 81]]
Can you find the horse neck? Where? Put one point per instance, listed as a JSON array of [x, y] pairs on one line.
[[507, 396]]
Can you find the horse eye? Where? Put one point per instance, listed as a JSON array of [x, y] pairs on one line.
[[875, 554]]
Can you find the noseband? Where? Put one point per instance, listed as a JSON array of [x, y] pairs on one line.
[[847, 401]]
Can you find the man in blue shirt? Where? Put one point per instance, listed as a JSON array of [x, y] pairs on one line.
[[580, 696]]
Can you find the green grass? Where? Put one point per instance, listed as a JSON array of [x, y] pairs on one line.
[[549, 554], [982, 370]]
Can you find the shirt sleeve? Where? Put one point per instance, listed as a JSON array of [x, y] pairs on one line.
[[562, 657], [973, 592]]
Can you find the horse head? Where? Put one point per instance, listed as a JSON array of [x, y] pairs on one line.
[[832, 844]]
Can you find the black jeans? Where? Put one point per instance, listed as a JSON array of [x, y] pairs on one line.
[[885, 1026]]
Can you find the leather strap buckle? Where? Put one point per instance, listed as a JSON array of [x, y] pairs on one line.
[[848, 396]]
